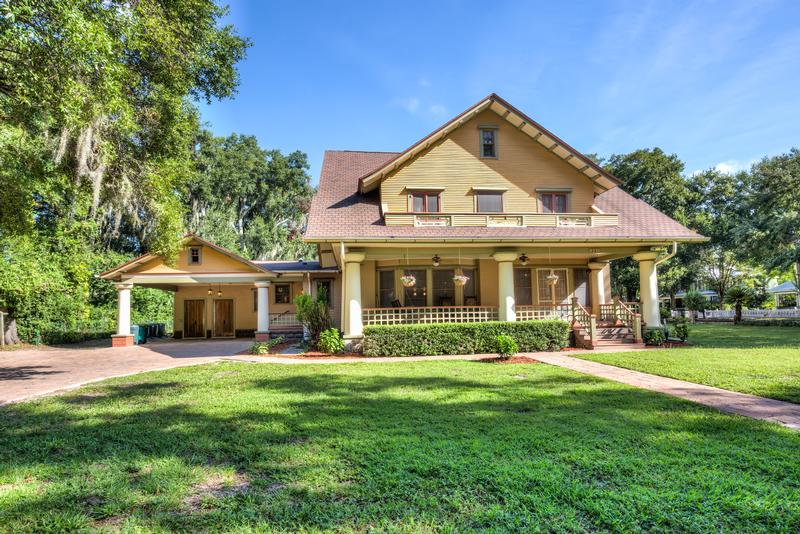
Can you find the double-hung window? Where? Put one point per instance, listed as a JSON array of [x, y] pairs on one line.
[[425, 201], [554, 202], [489, 201], [488, 143]]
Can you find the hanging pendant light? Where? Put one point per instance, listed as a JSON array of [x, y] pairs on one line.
[[210, 291], [219, 290], [436, 260], [523, 259]]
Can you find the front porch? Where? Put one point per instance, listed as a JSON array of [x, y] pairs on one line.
[[464, 285]]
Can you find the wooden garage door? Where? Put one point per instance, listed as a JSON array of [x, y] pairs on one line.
[[194, 323]]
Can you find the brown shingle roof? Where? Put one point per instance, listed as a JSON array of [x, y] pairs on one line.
[[339, 211]]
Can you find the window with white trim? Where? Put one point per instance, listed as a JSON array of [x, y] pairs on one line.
[[194, 256]]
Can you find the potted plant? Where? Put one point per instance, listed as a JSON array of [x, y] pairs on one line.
[[408, 280], [460, 279]]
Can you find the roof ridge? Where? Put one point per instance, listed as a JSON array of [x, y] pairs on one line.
[[347, 151]]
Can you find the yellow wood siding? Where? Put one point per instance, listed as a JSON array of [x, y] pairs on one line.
[[522, 166], [210, 261]]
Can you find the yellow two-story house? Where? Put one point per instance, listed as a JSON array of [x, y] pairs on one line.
[[490, 217]]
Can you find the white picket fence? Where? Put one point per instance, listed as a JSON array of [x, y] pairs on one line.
[[789, 313]]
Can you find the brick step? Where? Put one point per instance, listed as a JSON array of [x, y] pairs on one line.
[[288, 335]]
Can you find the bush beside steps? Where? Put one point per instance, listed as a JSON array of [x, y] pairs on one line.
[[463, 338]]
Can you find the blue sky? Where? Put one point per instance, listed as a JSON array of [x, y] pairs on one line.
[[718, 83]]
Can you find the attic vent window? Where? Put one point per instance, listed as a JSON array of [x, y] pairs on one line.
[[194, 256], [488, 143]]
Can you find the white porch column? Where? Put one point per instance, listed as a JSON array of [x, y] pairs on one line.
[[123, 337], [648, 288], [262, 311], [354, 325], [505, 284], [597, 284]]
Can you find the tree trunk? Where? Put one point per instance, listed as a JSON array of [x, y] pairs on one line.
[[10, 335], [737, 316]]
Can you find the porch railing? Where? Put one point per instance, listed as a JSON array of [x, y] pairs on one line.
[[285, 319], [537, 313], [429, 315]]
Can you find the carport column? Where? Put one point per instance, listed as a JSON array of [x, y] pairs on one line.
[[123, 337], [648, 288], [262, 311], [354, 325], [597, 284], [505, 284]]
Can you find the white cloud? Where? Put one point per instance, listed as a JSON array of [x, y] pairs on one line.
[[733, 166], [410, 104], [423, 82], [437, 109]]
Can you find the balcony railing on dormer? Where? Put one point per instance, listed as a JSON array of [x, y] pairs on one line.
[[517, 220]]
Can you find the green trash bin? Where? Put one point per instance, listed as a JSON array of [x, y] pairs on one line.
[[135, 333], [142, 337]]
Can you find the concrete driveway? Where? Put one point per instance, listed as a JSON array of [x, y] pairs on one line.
[[26, 374]]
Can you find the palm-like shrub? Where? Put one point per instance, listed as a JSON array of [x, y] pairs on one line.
[[738, 296]]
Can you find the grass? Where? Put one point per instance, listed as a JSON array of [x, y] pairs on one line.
[[412, 446], [760, 360]]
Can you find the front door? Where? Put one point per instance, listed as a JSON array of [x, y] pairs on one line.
[[223, 318], [194, 313]]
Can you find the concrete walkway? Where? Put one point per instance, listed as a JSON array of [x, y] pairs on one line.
[[784, 413], [26, 374]]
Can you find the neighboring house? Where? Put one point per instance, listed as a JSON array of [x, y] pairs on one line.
[[490, 217], [786, 295], [710, 294]]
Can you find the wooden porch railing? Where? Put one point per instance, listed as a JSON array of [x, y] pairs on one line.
[[429, 315], [284, 320], [540, 312]]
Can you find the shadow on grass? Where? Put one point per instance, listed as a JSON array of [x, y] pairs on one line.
[[481, 448]]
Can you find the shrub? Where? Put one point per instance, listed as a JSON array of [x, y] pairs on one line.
[[694, 301], [263, 347], [681, 328], [463, 338], [330, 341], [313, 313], [665, 313], [654, 337], [506, 346], [738, 295]]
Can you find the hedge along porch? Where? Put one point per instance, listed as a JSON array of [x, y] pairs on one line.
[[219, 294]]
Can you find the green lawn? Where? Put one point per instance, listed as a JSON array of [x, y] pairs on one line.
[[761, 360], [415, 446]]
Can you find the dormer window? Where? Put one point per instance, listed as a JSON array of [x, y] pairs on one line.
[[488, 142], [425, 201], [194, 255]]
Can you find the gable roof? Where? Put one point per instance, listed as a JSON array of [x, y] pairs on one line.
[[186, 239], [340, 211], [582, 164], [786, 287]]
